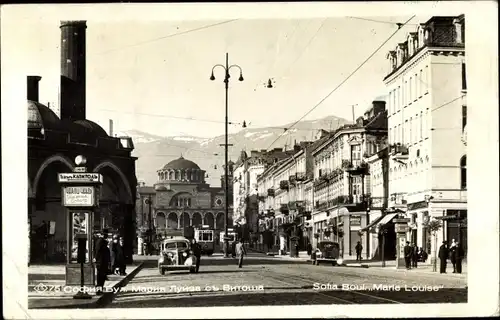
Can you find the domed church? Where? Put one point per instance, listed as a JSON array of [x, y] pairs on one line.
[[182, 198]]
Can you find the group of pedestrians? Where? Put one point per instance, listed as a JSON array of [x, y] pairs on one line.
[[455, 253], [413, 255], [109, 258]]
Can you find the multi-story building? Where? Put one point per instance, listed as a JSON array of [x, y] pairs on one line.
[[342, 181], [426, 119], [285, 205], [246, 170]]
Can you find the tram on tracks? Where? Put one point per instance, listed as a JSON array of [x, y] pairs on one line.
[[205, 236]]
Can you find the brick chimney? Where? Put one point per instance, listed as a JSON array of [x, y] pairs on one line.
[[73, 70], [32, 88]]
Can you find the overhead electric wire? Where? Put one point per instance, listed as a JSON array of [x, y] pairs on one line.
[[274, 62], [169, 116], [304, 49], [344, 81], [380, 21], [167, 36]]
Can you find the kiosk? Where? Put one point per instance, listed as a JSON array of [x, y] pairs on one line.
[[401, 228], [80, 197]]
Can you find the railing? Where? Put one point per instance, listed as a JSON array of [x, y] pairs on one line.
[[398, 149], [356, 168], [397, 199], [284, 185], [300, 176], [270, 192]]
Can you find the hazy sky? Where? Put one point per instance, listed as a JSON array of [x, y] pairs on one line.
[[142, 73]]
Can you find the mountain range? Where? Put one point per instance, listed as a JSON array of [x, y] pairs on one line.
[[154, 151]]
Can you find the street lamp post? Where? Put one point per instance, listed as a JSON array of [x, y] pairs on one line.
[[226, 68]]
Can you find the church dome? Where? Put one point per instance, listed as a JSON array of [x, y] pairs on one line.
[[181, 163], [91, 128], [41, 117]]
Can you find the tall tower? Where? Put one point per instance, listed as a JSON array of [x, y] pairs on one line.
[[73, 70]]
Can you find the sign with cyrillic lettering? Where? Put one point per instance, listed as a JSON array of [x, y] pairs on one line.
[[79, 196]]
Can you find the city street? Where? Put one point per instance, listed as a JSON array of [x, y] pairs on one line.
[[273, 281]]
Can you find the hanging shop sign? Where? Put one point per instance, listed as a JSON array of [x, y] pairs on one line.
[[77, 177], [355, 220]]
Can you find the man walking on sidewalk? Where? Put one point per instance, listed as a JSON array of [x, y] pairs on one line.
[[359, 249], [443, 256], [102, 260], [240, 251], [414, 255], [407, 251]]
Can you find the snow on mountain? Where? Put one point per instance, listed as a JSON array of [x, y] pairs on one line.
[[154, 152], [189, 138], [139, 136]]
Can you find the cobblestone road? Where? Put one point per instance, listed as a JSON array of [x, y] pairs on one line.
[[270, 281]]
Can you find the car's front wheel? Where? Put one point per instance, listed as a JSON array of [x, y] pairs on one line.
[[192, 270], [162, 271]]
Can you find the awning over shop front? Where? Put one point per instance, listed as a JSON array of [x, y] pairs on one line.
[[372, 224], [387, 218], [383, 220]]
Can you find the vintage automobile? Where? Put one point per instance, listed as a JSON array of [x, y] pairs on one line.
[[176, 254], [327, 251]]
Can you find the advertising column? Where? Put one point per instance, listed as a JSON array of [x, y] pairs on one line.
[[401, 228], [80, 197]]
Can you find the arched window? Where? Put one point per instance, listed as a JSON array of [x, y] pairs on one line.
[[463, 172]]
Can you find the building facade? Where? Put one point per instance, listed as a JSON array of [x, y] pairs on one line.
[[426, 119], [285, 200], [245, 191], [182, 198], [54, 142], [342, 180]]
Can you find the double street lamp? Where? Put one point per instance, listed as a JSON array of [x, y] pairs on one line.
[[226, 68]]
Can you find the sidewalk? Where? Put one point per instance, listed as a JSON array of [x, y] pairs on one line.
[[47, 290], [303, 256]]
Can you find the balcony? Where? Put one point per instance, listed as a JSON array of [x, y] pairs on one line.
[[292, 180], [284, 208], [359, 168], [323, 205], [399, 151], [305, 214], [261, 197], [397, 200], [284, 185], [320, 183], [270, 192], [300, 176]]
